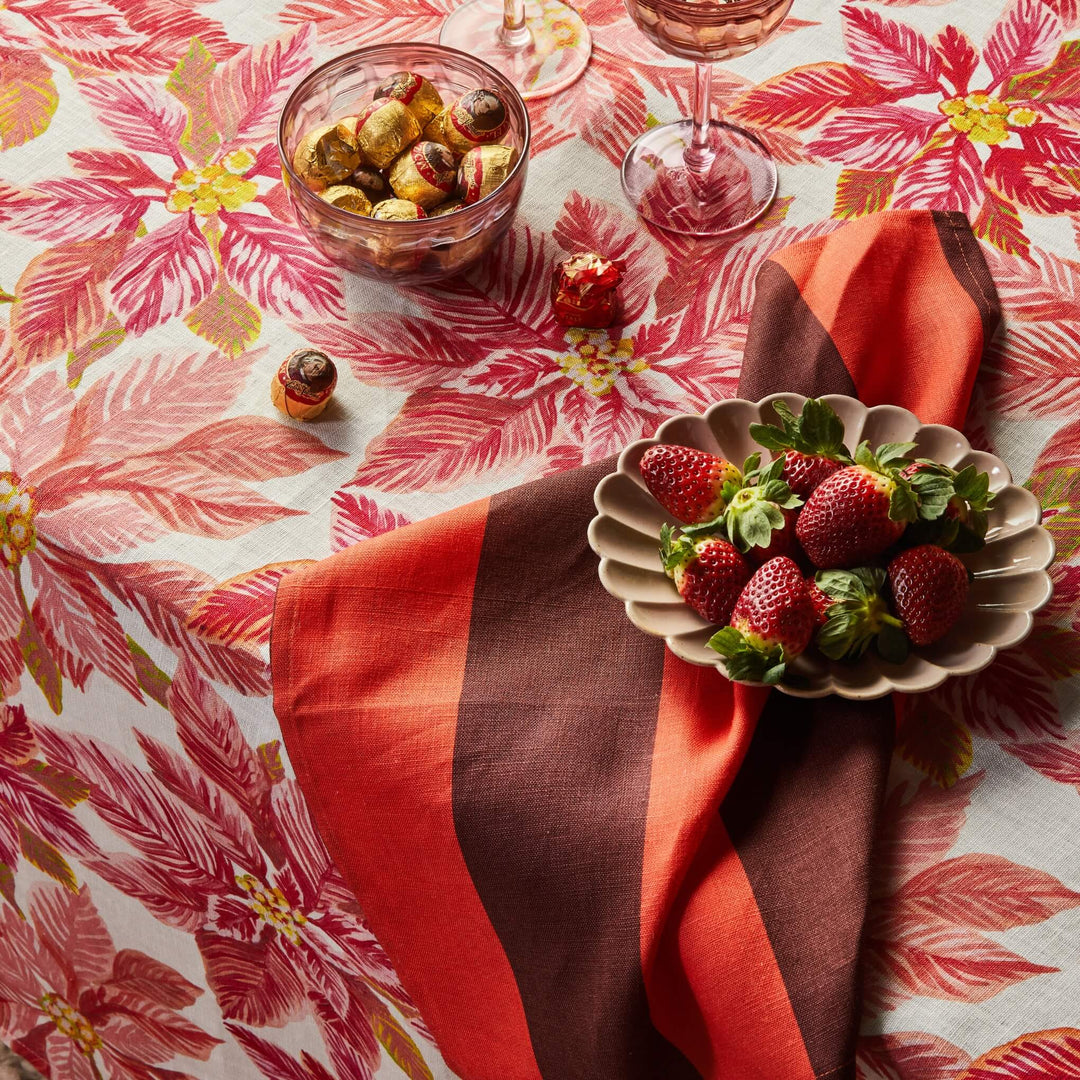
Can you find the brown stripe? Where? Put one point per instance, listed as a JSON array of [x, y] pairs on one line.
[[799, 814], [551, 783], [787, 348], [968, 265]]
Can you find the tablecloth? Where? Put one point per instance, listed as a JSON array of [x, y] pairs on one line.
[[167, 908]]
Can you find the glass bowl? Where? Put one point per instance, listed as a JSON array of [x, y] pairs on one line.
[[405, 252]]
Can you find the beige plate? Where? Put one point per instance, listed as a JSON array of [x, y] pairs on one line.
[[1010, 583]]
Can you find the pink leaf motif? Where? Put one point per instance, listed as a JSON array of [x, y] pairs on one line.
[[239, 611], [152, 404], [61, 297], [161, 1031], [116, 166], [1035, 184], [99, 525], [17, 745], [1025, 38], [72, 930], [941, 962], [168, 899], [212, 739], [140, 975], [894, 54], [1062, 450], [275, 267], [64, 1057], [999, 224], [981, 892], [70, 210], [1007, 700], [918, 830], [45, 815], [805, 96], [607, 422], [1053, 142], [615, 116], [354, 1050], [252, 981], [443, 437], [273, 1062], [164, 273], [75, 24], [138, 112], [947, 176], [585, 225], [1040, 1055], [908, 1055], [1044, 288], [307, 856], [81, 620], [164, 593], [30, 96], [883, 138], [959, 58], [1059, 761], [356, 517], [246, 93], [365, 22]]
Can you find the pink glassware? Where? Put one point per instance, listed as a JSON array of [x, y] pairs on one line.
[[406, 252], [699, 176]]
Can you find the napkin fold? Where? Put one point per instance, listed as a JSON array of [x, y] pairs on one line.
[[586, 858]]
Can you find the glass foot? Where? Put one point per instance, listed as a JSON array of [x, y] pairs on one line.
[[554, 48], [728, 193]]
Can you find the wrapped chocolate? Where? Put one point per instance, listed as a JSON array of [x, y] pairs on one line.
[[302, 386], [397, 210], [584, 290], [348, 198], [326, 155], [372, 183], [414, 92], [477, 117], [482, 170], [425, 174], [383, 130], [447, 208]]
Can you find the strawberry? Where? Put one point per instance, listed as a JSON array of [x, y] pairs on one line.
[[708, 572], [772, 623], [688, 483], [929, 587], [812, 443], [854, 515], [858, 615], [963, 525]]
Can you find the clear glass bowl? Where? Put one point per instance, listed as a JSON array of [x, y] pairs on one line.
[[406, 252]]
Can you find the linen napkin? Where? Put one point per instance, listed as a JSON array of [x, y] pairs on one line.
[[586, 858]]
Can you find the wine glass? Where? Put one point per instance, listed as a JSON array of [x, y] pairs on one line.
[[541, 46], [702, 177]]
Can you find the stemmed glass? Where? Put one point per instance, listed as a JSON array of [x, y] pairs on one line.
[[698, 176], [541, 46]]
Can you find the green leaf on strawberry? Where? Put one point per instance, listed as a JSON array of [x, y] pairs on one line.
[[747, 661], [755, 512], [858, 616], [817, 430]]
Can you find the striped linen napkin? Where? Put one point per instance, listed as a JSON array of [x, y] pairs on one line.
[[586, 858]]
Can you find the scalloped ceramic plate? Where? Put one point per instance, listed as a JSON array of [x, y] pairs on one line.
[[1010, 579]]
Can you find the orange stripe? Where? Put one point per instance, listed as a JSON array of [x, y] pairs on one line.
[[370, 730], [926, 352], [714, 987]]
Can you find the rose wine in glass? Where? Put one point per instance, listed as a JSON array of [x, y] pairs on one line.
[[697, 176], [541, 46]]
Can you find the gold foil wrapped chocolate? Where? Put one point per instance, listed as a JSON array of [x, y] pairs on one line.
[[446, 208], [482, 170], [477, 117], [348, 198], [383, 130], [302, 386], [372, 183], [415, 93], [397, 210], [424, 174], [326, 155]]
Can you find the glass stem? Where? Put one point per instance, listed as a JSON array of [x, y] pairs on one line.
[[513, 33], [698, 156]]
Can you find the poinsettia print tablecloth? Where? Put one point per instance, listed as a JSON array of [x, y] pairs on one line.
[[167, 908]]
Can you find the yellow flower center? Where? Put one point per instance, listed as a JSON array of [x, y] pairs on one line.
[[17, 533], [219, 186], [564, 32], [986, 119], [599, 361], [272, 906], [71, 1022]]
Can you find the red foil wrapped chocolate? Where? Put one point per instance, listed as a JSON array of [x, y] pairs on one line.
[[584, 290]]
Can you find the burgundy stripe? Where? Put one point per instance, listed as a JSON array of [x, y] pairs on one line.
[[799, 814], [787, 348], [551, 783], [969, 267]]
